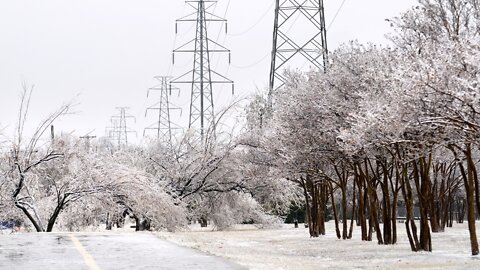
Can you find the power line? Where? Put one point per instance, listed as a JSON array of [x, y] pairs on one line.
[[256, 23], [220, 33], [254, 63], [336, 15], [170, 67]]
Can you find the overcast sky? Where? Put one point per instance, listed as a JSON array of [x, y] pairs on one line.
[[104, 53]]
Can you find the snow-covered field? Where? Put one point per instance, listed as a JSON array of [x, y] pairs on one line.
[[290, 248]]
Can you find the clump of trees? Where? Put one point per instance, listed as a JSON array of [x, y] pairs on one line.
[[383, 127], [57, 181], [213, 179]]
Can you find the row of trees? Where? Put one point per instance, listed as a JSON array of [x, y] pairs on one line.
[[383, 127]]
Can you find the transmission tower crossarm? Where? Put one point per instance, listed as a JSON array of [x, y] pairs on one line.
[[182, 48], [203, 1], [214, 18]]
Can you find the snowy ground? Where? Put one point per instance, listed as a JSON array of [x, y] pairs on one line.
[[289, 248]]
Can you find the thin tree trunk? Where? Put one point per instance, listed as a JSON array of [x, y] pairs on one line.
[[307, 207], [350, 233], [410, 226], [387, 208], [470, 190], [337, 228], [394, 217], [361, 203], [323, 198], [420, 175], [54, 216], [35, 223], [373, 199], [343, 184], [344, 213]]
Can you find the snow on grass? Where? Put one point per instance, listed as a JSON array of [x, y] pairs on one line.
[[290, 248]]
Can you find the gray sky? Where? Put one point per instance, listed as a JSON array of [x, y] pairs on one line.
[[104, 53]]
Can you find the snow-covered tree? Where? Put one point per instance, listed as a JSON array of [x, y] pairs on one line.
[[440, 41], [385, 124]]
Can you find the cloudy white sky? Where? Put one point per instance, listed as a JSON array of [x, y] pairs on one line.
[[105, 53]]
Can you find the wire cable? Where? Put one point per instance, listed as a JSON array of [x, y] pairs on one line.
[[170, 66], [336, 15], [253, 64], [256, 23], [220, 33]]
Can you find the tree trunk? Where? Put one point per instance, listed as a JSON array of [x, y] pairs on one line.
[[35, 223], [308, 210], [394, 217], [315, 213], [361, 203], [470, 188], [387, 207], [421, 171], [120, 221], [343, 185], [373, 203], [410, 226], [108, 223], [350, 233], [344, 213], [460, 207], [323, 198], [142, 224], [316, 194], [203, 222], [337, 228], [54, 216]]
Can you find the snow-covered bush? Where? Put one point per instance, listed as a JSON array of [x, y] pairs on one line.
[[230, 209]]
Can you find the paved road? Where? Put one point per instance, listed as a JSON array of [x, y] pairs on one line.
[[94, 251]]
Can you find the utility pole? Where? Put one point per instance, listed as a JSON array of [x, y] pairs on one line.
[[287, 44], [52, 132], [119, 132], [163, 126], [201, 77], [87, 138]]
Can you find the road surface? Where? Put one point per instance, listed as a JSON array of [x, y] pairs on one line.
[[95, 251]]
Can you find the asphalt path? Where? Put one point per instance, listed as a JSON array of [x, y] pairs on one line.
[[95, 251]]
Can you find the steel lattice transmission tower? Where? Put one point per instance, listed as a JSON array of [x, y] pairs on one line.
[[286, 45], [119, 132], [163, 126], [202, 78]]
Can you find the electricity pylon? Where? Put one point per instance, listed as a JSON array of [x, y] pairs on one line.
[[201, 77], [119, 132], [287, 45], [163, 126], [87, 138]]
